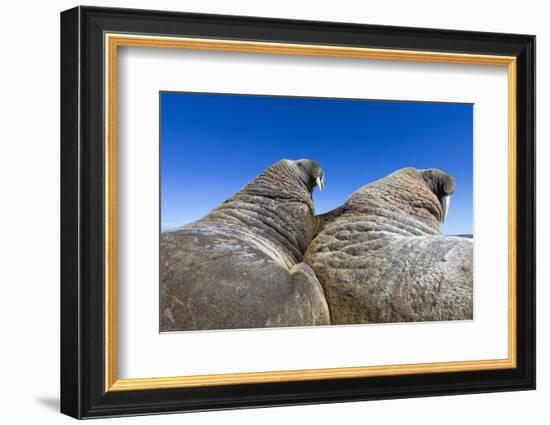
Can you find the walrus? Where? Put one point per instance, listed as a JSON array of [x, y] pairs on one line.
[[240, 266], [381, 258]]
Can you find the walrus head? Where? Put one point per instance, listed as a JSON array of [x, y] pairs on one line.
[[442, 185], [311, 173]]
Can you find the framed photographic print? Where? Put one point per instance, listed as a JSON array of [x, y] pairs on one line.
[[261, 212]]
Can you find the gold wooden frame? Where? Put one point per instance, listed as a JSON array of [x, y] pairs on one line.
[[113, 41]]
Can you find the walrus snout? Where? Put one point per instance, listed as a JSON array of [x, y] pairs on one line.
[[313, 173], [442, 185]]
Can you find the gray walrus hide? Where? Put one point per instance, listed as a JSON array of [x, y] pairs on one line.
[[381, 258]]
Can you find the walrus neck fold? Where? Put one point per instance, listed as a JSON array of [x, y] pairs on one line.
[[285, 181], [275, 206], [401, 197]]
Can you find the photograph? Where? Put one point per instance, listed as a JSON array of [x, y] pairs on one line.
[[289, 211]]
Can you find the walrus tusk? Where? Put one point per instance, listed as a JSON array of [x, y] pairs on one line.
[[320, 183], [445, 203]]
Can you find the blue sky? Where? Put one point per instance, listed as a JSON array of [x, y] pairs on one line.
[[214, 144]]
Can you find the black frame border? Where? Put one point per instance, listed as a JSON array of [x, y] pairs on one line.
[[82, 204]]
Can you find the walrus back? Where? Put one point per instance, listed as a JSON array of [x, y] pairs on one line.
[[217, 280], [381, 257]]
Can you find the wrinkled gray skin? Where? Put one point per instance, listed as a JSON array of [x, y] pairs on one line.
[[241, 265], [381, 258]]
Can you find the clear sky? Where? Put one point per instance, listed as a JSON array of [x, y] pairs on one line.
[[214, 144]]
